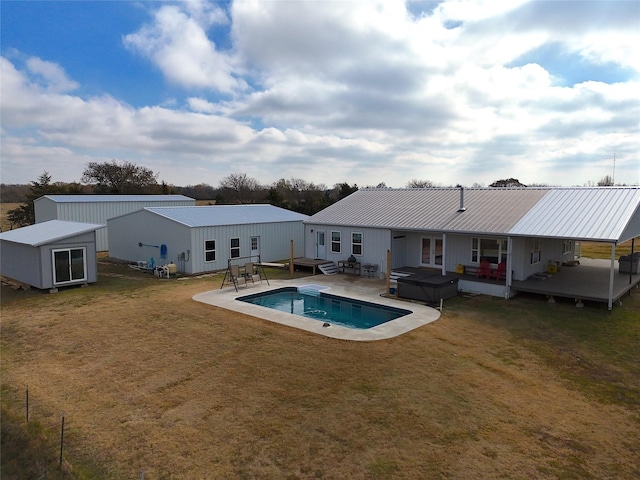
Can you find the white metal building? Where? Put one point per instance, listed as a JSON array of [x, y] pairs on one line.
[[99, 208], [50, 254], [444, 228], [203, 239]]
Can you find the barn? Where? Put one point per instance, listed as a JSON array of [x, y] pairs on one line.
[[205, 238], [99, 208], [50, 254]]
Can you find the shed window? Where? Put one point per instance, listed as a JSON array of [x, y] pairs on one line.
[[536, 251], [235, 248], [69, 265], [335, 242], [356, 243], [209, 250], [567, 247]]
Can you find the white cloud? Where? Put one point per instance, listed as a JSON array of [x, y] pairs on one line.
[[361, 92], [177, 43]]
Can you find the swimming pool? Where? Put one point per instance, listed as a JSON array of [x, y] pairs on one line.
[[310, 301]]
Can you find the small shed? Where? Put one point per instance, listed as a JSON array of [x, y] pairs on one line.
[[99, 208], [205, 238], [50, 254]]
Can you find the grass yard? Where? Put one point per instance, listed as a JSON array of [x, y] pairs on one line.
[[153, 381]]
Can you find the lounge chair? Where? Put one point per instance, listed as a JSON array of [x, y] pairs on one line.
[[500, 273], [484, 270]]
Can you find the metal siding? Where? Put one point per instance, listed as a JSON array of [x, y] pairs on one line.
[[20, 262], [149, 229], [98, 209], [45, 209]]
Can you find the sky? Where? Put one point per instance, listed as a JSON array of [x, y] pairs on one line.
[[364, 92]]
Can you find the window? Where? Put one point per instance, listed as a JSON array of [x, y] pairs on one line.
[[335, 242], [235, 248], [536, 252], [356, 243], [567, 247], [209, 250], [69, 265], [492, 249]]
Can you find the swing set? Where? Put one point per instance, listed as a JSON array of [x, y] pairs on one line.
[[242, 270]]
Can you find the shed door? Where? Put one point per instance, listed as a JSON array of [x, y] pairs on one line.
[[69, 265]]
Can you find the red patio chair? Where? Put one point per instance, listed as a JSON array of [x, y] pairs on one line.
[[500, 273], [484, 270]]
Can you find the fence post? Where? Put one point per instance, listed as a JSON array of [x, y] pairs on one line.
[[61, 439], [27, 404]]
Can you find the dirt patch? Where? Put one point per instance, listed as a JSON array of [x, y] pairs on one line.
[[152, 380]]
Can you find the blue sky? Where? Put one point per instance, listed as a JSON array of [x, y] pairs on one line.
[[455, 92]]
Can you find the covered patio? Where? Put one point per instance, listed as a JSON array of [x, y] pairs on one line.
[[590, 280]]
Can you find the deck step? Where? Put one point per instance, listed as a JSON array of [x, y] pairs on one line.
[[328, 268]]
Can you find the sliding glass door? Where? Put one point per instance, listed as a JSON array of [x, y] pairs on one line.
[[69, 265]]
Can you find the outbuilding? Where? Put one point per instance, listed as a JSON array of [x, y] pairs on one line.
[[50, 254], [204, 239], [100, 208]]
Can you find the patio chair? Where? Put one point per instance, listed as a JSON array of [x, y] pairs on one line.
[[484, 270], [500, 273], [250, 273], [236, 278]]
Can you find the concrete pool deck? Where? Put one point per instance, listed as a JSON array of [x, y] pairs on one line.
[[368, 290]]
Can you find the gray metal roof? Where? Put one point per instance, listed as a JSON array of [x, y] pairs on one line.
[[47, 232], [583, 213], [218, 215], [114, 198], [594, 213]]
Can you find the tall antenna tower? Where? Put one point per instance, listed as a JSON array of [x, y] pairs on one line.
[[613, 178]]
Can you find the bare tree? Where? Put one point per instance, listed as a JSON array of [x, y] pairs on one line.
[[606, 181], [415, 183], [507, 182], [120, 177], [239, 188]]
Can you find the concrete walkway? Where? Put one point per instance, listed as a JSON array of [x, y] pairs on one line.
[[364, 289]]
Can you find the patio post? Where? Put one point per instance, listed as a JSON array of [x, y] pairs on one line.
[[611, 274], [509, 276], [444, 254]]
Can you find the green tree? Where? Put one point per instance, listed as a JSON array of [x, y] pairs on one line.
[[25, 214], [120, 177]]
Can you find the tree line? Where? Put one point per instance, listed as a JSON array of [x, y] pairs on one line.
[[117, 177]]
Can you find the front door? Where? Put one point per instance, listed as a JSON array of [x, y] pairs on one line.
[[431, 253], [321, 251]]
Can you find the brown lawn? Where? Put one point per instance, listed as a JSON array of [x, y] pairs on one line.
[[153, 381]]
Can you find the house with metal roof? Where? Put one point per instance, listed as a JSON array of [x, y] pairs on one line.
[[51, 254], [205, 238], [99, 208], [530, 231]]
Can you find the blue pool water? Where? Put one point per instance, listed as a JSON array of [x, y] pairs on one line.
[[317, 305]]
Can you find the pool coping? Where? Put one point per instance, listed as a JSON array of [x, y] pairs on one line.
[[360, 290]]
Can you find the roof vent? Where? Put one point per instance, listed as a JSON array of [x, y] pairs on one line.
[[462, 207]]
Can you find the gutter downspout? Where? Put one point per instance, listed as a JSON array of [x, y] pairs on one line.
[[611, 275]]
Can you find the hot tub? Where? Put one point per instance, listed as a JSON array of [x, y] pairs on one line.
[[429, 287]]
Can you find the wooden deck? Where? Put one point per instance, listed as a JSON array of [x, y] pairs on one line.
[[587, 281], [309, 262]]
